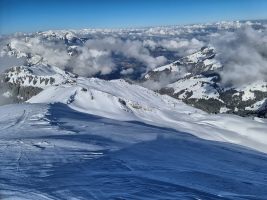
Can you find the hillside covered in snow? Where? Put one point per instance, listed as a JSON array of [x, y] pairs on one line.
[[217, 67], [150, 113], [51, 151]]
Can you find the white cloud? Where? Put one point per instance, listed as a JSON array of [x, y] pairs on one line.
[[182, 47], [7, 62], [127, 71], [53, 54], [128, 48], [243, 54], [90, 62], [96, 55]]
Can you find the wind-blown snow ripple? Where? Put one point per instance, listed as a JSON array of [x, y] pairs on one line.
[[64, 154]]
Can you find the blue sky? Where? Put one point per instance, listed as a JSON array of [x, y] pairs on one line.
[[34, 15]]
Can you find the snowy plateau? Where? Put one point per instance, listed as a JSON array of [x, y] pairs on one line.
[[111, 128]]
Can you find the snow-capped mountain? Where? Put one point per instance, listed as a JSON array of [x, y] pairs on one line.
[[202, 61], [20, 83], [195, 79], [65, 133], [120, 100], [103, 133]]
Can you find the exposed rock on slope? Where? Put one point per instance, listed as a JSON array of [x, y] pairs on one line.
[[18, 84], [195, 79]]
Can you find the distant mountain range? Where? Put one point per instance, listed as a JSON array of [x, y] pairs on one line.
[[194, 78]]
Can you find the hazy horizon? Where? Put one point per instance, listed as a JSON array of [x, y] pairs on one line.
[[33, 16]]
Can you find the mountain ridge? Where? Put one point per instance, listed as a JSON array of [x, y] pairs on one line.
[[194, 78], [199, 85]]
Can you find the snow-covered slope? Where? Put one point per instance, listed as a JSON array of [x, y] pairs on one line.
[[120, 100], [19, 83], [196, 80], [37, 76], [85, 138], [196, 87], [196, 63], [51, 152]]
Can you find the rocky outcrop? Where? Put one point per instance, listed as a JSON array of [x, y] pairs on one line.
[[15, 93]]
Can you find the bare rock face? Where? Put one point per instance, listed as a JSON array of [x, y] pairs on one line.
[[15, 93], [12, 93]]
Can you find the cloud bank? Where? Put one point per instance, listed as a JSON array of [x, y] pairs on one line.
[[243, 54], [128, 48], [94, 57], [7, 62], [181, 46], [54, 54]]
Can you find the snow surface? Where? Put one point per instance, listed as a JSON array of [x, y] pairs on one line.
[[37, 75], [196, 57], [120, 100], [195, 85], [96, 139], [248, 93], [54, 152], [173, 67], [7, 94], [224, 109], [257, 105]]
